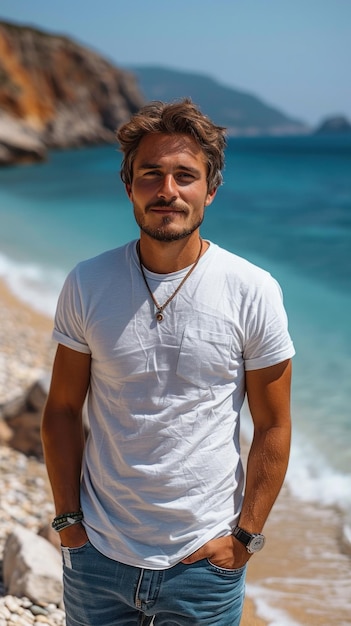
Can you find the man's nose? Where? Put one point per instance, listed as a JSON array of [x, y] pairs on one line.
[[168, 188]]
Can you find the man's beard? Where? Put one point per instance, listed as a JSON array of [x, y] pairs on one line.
[[161, 233]]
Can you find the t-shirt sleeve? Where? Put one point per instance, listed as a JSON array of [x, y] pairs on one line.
[[69, 322], [267, 340]]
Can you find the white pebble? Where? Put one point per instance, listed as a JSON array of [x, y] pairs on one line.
[[12, 603]]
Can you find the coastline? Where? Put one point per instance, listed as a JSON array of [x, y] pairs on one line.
[[286, 582], [26, 350]]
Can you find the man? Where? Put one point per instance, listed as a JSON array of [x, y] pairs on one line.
[[164, 336]]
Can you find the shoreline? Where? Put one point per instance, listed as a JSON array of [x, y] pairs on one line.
[[286, 582], [26, 349]]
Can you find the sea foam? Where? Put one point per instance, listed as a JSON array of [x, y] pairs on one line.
[[32, 284], [310, 477], [263, 603]]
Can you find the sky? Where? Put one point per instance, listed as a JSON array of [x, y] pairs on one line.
[[292, 54]]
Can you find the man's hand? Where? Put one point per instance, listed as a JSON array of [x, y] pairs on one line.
[[74, 536], [226, 552]]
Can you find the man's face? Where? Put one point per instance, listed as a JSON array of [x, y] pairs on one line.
[[169, 188]]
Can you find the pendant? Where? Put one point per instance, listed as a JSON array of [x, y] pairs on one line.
[[159, 316]]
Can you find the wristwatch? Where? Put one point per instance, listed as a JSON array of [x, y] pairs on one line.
[[253, 542]]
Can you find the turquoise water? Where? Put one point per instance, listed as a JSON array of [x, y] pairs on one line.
[[285, 204]]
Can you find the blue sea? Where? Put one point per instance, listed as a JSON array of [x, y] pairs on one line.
[[285, 205]]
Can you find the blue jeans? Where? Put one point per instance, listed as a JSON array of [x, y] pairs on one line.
[[101, 592]]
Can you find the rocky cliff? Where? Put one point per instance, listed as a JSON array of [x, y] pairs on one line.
[[55, 93]]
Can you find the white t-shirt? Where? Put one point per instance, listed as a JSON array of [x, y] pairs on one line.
[[161, 469]]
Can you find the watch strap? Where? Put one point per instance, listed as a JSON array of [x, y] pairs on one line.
[[242, 536]]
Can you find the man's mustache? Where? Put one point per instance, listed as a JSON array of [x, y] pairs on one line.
[[163, 204]]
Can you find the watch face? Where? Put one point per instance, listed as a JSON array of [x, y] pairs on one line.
[[256, 544]]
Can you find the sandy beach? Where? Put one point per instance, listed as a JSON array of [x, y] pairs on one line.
[[301, 577]]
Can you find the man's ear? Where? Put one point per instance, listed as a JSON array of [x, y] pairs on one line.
[[210, 196], [128, 189]]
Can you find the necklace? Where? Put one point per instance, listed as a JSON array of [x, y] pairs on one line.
[[161, 307]]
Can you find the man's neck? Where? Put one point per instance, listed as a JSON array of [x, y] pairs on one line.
[[164, 257]]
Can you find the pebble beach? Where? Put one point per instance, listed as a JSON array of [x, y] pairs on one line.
[[25, 355], [283, 581]]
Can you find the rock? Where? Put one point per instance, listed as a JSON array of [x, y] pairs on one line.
[[48, 533], [14, 406], [37, 393], [26, 433], [5, 432], [18, 144], [57, 93], [32, 567], [22, 417], [38, 610]]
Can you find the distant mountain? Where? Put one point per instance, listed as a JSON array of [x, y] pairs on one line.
[[240, 112], [337, 124]]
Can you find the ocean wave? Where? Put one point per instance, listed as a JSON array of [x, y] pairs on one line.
[[310, 477], [33, 284], [263, 601]]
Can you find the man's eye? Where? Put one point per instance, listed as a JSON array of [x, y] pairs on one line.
[[185, 176], [151, 174]]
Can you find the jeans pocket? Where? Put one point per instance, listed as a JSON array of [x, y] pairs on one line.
[[226, 572], [78, 548], [69, 553]]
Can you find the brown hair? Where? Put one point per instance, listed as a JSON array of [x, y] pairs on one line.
[[182, 117]]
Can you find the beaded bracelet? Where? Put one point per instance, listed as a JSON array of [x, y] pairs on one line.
[[65, 520]]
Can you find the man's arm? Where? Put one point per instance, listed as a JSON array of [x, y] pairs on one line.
[[63, 436], [268, 392]]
